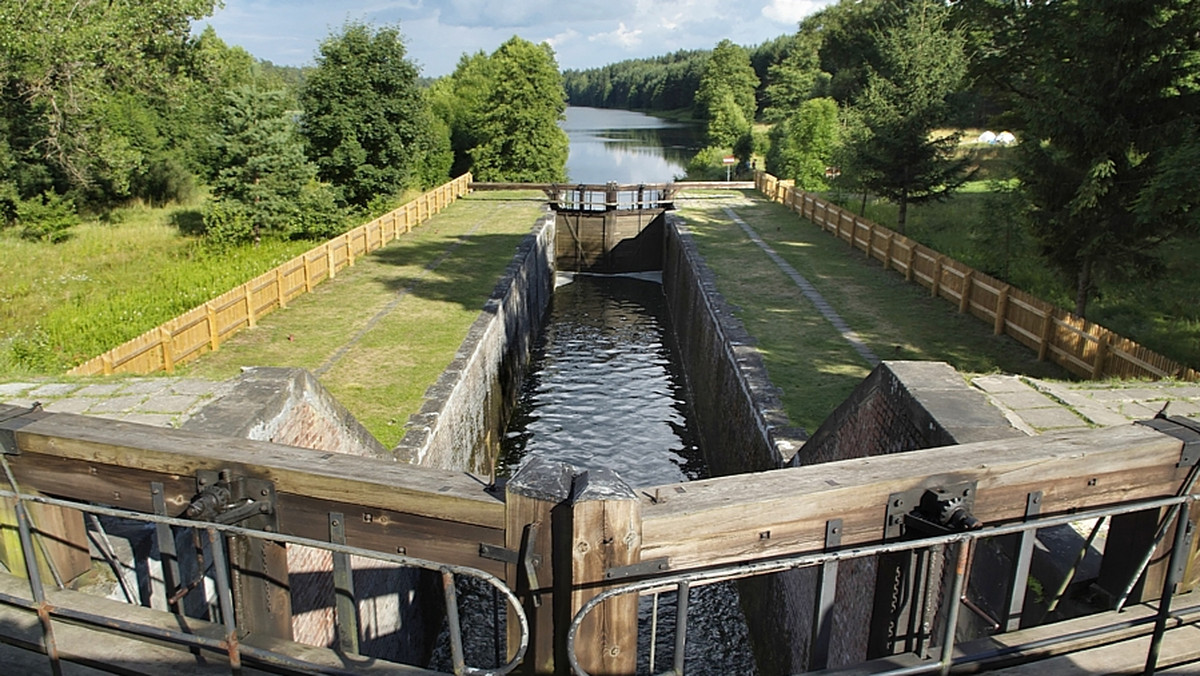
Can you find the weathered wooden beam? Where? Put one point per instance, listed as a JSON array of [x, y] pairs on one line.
[[605, 535], [534, 498], [369, 482], [429, 514], [783, 512]]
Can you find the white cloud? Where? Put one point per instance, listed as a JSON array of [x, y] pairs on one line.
[[623, 36], [791, 11]]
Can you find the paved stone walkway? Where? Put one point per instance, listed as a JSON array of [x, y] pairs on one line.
[[1035, 406], [160, 401]]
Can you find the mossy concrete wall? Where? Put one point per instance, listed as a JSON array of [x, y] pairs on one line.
[[465, 411], [741, 423]]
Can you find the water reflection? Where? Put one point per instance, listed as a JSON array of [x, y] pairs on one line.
[[627, 147]]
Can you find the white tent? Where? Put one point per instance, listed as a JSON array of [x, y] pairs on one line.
[[988, 137]]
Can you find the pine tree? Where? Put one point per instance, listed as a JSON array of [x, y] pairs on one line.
[[904, 158]]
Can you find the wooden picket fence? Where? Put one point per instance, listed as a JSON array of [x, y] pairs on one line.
[[1082, 347], [204, 328]]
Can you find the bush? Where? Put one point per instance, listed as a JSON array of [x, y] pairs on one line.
[[707, 165], [227, 222], [48, 218], [319, 217]]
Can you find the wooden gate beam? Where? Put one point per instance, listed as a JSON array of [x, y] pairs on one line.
[[784, 512]]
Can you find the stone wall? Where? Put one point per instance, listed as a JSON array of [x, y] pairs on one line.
[[460, 423], [741, 422]]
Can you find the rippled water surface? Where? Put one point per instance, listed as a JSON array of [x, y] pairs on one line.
[[605, 389]]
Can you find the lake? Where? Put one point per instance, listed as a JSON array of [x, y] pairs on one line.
[[627, 147]]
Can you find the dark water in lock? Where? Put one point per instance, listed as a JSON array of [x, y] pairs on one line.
[[606, 390]]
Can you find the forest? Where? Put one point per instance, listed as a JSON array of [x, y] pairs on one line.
[[873, 97], [104, 105]]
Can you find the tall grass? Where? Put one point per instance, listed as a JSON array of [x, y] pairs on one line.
[[63, 303]]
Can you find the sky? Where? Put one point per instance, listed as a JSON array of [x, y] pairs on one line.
[[585, 34]]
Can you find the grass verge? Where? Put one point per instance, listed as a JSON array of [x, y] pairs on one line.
[[804, 355], [381, 332], [61, 304]]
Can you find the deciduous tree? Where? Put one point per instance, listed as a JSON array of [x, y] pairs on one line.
[[725, 96], [368, 125], [519, 136]]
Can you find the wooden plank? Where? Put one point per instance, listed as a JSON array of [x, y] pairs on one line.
[[532, 496], [368, 527], [453, 496], [785, 511], [606, 533]]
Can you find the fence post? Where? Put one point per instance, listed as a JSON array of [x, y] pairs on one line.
[[1047, 334], [214, 332], [279, 290], [912, 258], [887, 251], [964, 301], [935, 280], [1101, 355], [606, 534], [533, 498], [251, 320], [106, 363], [165, 339], [308, 287], [1002, 309], [332, 270]]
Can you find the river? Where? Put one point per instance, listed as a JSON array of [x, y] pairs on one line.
[[627, 147]]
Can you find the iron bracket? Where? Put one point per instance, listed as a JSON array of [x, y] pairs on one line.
[[1181, 562], [226, 499], [640, 569], [1187, 431], [922, 510], [526, 560]]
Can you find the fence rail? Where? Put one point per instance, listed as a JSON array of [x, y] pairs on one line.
[[203, 328], [1081, 346]]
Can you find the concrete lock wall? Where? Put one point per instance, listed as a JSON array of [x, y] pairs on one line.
[[465, 411], [741, 422]]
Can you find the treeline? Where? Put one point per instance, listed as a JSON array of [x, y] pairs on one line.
[[866, 96], [103, 104]]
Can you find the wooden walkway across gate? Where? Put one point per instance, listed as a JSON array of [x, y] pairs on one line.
[[522, 532]]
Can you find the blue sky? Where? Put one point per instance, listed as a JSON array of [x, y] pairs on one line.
[[583, 34]]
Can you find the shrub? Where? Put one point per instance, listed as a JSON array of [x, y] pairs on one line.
[[227, 222], [48, 218]]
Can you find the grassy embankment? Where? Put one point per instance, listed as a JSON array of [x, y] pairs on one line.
[[804, 355], [381, 332], [978, 227], [61, 304]]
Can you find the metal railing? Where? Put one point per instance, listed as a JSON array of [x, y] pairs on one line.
[[229, 644], [963, 543]]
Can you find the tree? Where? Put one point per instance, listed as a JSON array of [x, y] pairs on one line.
[[903, 158], [87, 87], [803, 144], [1106, 100], [368, 126], [725, 96], [264, 176], [519, 136]]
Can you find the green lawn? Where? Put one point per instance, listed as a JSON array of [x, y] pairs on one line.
[[804, 355], [381, 332], [61, 304]]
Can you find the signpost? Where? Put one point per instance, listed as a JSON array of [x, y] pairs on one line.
[[728, 161]]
